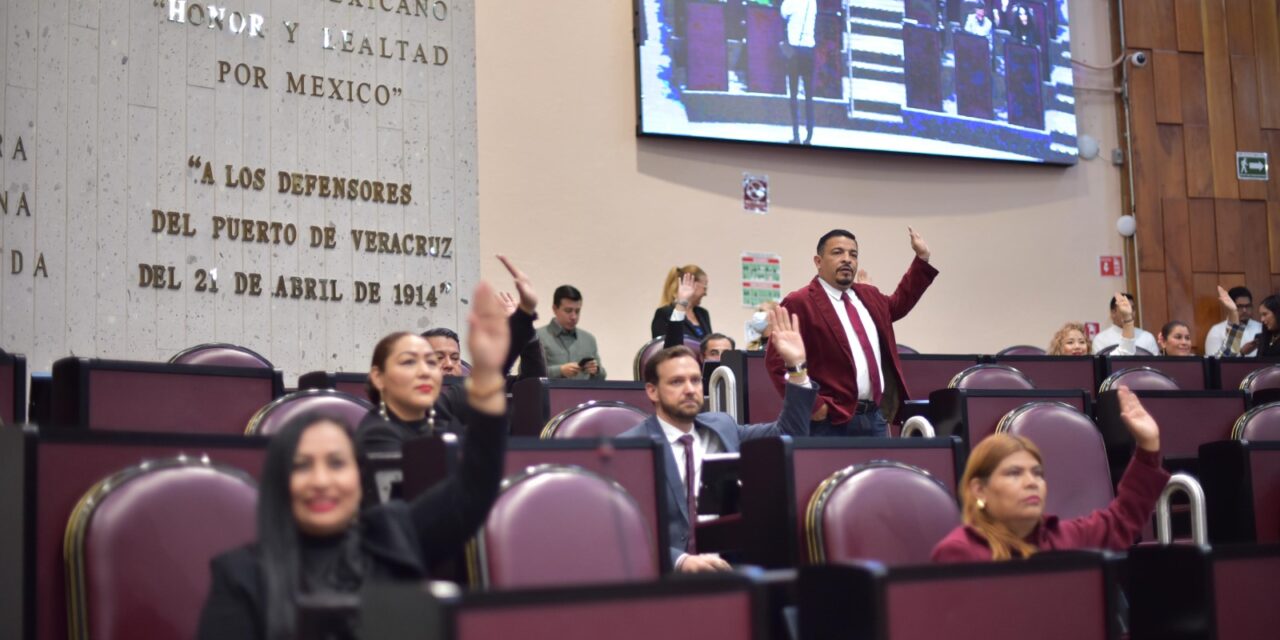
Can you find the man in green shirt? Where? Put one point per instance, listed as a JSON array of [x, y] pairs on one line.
[[570, 352]]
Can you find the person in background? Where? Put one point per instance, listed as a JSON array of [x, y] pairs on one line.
[[1268, 342], [1121, 314], [1175, 339], [1216, 339], [714, 345], [682, 298], [1003, 489], [800, 39], [978, 23], [757, 328], [448, 349], [569, 352], [1070, 340]]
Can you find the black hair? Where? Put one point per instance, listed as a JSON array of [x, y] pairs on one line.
[[565, 292], [702, 345], [1240, 292], [442, 332], [278, 543], [834, 233], [1113, 301]]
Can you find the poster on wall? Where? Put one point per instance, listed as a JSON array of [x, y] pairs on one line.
[[761, 278], [296, 178]]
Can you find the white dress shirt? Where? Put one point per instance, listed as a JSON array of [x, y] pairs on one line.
[[802, 18], [704, 442], [863, 373], [1112, 335], [1218, 335]]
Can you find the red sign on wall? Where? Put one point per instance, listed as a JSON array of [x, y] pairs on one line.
[[1091, 329], [1111, 266]]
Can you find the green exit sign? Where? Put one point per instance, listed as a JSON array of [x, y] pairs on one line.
[[1251, 165]]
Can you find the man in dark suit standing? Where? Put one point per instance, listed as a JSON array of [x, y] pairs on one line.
[[848, 331], [673, 380]]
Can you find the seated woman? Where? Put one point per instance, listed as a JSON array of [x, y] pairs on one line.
[[1268, 342], [758, 327], [1003, 491], [694, 320], [320, 529], [1174, 339], [406, 377], [1070, 340]]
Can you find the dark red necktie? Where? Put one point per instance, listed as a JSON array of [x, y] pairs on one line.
[[691, 493], [873, 367]]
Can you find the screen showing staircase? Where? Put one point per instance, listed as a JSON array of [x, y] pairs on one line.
[[971, 78]]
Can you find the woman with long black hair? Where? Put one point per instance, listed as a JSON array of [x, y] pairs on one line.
[[320, 529]]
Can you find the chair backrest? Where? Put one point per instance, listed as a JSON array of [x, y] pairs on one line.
[[902, 348], [139, 542], [594, 419], [651, 348], [561, 525], [271, 417], [222, 355], [885, 511], [999, 377], [1139, 379], [1021, 350], [1075, 458], [1259, 423], [1136, 350], [1264, 378]]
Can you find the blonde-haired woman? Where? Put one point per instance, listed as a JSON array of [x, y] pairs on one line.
[[681, 302], [1003, 491], [1070, 340]]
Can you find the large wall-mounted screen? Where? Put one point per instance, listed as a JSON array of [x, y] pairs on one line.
[[971, 78]]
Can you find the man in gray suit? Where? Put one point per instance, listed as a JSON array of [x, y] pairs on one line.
[[673, 380]]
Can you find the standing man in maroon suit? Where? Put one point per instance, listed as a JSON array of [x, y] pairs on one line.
[[848, 333]]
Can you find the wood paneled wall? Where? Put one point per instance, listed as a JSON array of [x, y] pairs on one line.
[[1211, 88]]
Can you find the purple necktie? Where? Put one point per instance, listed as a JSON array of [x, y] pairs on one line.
[[691, 494], [873, 367]]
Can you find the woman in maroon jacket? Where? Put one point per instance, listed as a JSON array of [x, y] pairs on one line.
[[1003, 492]]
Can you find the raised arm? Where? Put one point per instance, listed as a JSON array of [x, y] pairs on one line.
[[520, 318], [674, 334], [1235, 328], [798, 399], [914, 282], [449, 513], [1118, 525]]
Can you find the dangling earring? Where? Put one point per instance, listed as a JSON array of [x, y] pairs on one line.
[[982, 504], [382, 409], [431, 421]]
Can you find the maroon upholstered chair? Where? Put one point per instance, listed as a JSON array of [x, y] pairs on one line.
[[139, 542], [902, 348], [1021, 350], [594, 419], [1259, 423], [1139, 351], [654, 346], [1075, 458], [992, 377], [221, 354], [1139, 379], [1264, 378], [561, 525], [270, 418], [885, 511]]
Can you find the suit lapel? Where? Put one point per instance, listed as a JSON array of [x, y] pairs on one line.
[[822, 305], [674, 484]]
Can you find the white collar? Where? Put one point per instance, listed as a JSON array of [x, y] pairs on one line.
[[832, 291], [672, 432]]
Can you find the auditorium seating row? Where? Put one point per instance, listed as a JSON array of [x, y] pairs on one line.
[[796, 507]]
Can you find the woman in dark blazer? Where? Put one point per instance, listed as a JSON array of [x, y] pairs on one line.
[[320, 529], [697, 322], [1268, 342]]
